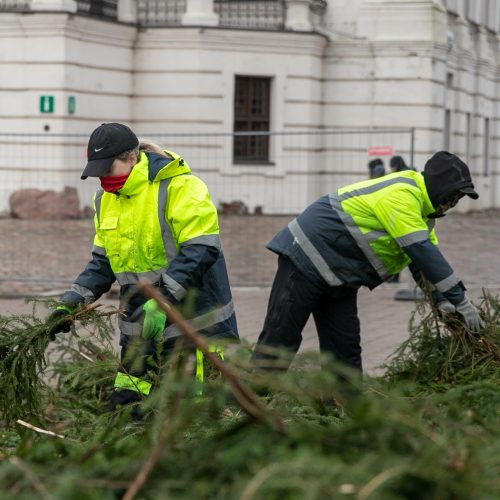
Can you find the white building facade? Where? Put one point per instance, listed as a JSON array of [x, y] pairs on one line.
[[328, 79]]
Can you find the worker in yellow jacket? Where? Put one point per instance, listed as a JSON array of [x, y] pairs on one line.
[[154, 221], [362, 235]]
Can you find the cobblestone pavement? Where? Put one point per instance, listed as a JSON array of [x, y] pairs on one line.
[[54, 252]]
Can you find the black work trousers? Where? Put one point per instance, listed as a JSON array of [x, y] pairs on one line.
[[293, 299]]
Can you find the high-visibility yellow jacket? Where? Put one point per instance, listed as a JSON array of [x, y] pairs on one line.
[[161, 227], [368, 231]]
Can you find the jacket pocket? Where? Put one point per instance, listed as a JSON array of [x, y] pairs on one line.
[[109, 233], [109, 223]]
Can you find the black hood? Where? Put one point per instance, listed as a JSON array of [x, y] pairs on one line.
[[446, 174]]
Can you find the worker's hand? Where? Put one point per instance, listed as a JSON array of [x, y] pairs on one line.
[[445, 307], [154, 320], [59, 320], [470, 314]]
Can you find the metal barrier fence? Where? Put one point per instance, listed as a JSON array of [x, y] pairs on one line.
[[254, 199]]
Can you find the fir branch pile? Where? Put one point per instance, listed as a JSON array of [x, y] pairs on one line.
[[428, 429]]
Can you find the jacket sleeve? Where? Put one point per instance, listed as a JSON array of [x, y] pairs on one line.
[[97, 277], [95, 280], [401, 216], [432, 264], [194, 222]]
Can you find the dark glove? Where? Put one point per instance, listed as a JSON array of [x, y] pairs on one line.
[[470, 314], [59, 320]]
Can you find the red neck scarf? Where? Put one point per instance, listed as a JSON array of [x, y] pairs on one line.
[[112, 184]]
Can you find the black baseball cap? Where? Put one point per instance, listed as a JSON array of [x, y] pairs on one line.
[[107, 142]]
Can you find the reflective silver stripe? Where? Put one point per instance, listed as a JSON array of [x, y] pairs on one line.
[[203, 321], [97, 202], [87, 294], [411, 238], [361, 239], [166, 232], [130, 329], [312, 253], [130, 278], [376, 187], [176, 289], [448, 283], [98, 250], [209, 240], [374, 235]]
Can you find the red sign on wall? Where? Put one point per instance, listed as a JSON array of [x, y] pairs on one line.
[[380, 151]]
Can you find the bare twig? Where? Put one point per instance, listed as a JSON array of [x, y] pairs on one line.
[[378, 480], [486, 302], [155, 455], [85, 310], [430, 300], [38, 429], [245, 397], [84, 356], [111, 313], [259, 479], [90, 453]]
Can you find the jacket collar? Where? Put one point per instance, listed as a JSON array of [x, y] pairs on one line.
[[138, 178], [152, 167], [165, 167]]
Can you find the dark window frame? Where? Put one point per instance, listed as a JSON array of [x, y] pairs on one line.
[[252, 113]]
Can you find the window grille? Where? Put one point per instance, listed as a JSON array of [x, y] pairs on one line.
[[252, 98], [256, 14], [160, 12], [15, 5]]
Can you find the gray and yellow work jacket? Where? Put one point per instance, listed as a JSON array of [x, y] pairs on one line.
[[161, 227], [366, 232]]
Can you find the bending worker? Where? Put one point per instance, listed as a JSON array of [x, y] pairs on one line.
[[154, 221], [360, 236]]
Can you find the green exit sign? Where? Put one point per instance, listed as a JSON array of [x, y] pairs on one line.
[[46, 104], [71, 104]]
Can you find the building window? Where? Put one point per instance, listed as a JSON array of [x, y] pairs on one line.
[[252, 96]]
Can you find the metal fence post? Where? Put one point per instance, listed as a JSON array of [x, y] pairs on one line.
[[412, 147]]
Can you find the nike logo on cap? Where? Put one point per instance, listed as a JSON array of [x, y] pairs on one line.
[[97, 150]]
